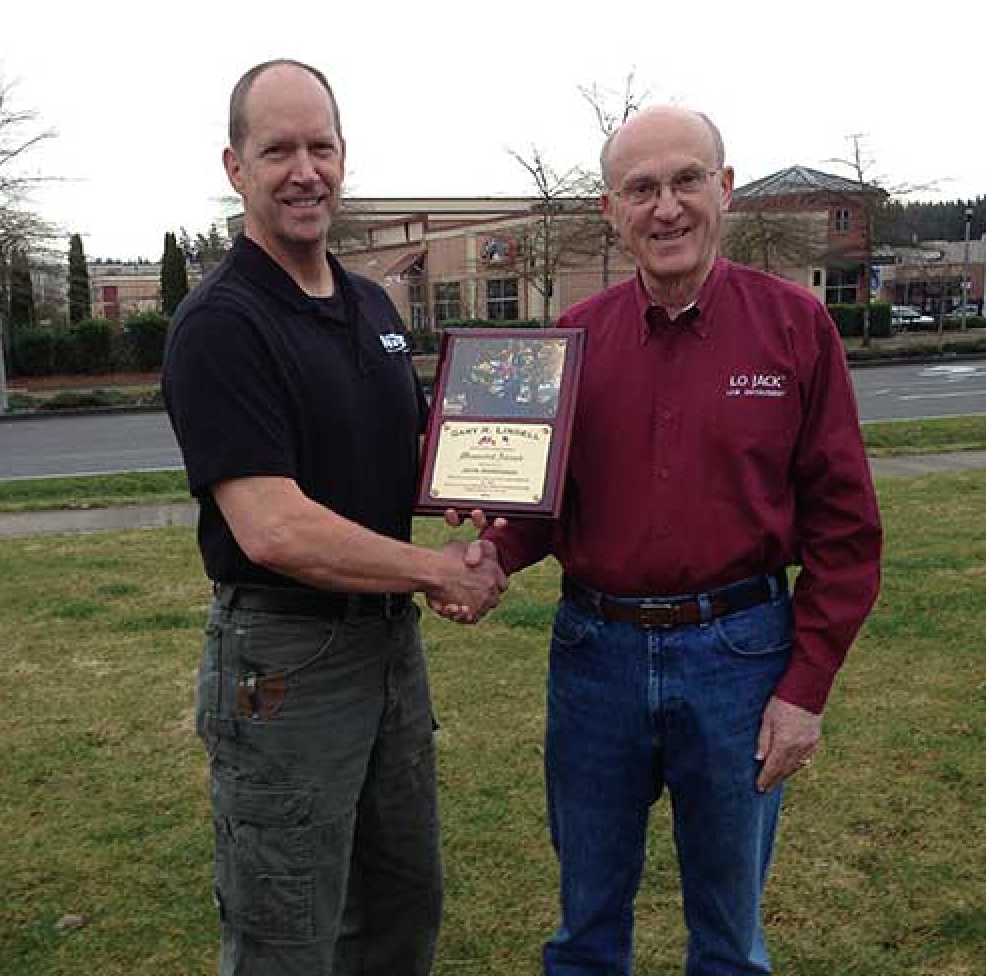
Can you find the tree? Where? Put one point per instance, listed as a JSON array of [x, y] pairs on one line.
[[79, 297], [872, 198], [568, 226], [206, 250], [20, 229], [773, 241], [174, 275], [22, 310]]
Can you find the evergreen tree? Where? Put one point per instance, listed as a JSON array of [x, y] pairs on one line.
[[174, 276], [22, 311], [79, 298]]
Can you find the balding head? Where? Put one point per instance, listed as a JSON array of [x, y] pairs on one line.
[[238, 114], [658, 124]]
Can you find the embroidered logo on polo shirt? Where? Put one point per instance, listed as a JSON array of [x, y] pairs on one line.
[[757, 384], [395, 342]]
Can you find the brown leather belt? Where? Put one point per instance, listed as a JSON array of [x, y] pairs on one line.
[[676, 611], [298, 601]]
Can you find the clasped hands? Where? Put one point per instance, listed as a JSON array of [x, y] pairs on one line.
[[474, 581]]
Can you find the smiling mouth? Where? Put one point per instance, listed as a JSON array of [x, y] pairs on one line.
[[669, 235], [306, 203]]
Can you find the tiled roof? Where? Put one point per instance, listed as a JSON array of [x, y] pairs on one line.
[[796, 179]]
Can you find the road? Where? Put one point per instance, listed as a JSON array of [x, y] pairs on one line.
[[59, 445]]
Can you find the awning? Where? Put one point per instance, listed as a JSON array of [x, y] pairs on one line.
[[409, 266]]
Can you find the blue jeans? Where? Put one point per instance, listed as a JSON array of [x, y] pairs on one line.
[[629, 712]]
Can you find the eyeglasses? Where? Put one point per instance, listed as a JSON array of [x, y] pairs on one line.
[[685, 183]]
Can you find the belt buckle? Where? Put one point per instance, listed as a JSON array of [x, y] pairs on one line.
[[658, 607]]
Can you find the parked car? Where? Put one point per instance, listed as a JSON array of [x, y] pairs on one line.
[[957, 312], [908, 317]]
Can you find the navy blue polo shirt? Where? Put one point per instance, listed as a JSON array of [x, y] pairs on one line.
[[261, 379]]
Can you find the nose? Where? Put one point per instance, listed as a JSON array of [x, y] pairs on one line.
[[304, 170], [666, 205]]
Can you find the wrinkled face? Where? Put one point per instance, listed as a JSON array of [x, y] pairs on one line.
[[290, 167], [666, 195]]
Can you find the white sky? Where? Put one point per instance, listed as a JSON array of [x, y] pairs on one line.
[[433, 92]]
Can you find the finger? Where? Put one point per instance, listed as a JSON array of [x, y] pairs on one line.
[[478, 518], [452, 518], [474, 554]]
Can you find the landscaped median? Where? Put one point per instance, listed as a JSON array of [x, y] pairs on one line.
[[31, 395]]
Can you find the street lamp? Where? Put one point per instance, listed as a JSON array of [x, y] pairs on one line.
[[965, 267]]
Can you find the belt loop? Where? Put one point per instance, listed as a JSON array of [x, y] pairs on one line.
[[774, 585], [704, 607]]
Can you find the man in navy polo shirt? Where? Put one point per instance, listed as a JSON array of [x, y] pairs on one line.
[[290, 388], [715, 444]]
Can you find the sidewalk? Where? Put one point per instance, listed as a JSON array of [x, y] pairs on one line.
[[18, 524]]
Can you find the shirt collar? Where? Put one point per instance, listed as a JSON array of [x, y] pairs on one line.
[[696, 316], [251, 260]]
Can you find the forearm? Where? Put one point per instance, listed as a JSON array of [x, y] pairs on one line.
[[282, 530]]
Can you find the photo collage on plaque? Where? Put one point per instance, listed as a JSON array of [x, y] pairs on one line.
[[505, 378]]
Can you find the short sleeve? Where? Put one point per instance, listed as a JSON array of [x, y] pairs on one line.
[[226, 399]]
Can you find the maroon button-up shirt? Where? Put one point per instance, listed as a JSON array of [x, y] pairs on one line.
[[716, 447]]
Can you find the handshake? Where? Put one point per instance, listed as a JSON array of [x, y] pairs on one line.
[[472, 580]]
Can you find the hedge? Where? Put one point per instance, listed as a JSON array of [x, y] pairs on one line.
[[849, 320], [92, 347]]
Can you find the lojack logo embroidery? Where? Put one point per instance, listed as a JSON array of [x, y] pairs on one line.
[[395, 342], [757, 384]]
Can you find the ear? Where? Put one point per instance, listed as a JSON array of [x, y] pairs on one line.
[[234, 169], [726, 186], [609, 208]]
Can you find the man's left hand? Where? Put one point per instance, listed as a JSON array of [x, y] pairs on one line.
[[788, 737]]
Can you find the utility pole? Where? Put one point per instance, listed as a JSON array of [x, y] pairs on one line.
[[3, 379], [965, 267]]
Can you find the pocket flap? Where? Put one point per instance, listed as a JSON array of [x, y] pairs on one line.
[[257, 803]]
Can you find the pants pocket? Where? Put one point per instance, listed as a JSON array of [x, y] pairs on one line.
[[264, 860]]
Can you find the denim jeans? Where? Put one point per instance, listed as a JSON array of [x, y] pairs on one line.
[[630, 711], [320, 737]]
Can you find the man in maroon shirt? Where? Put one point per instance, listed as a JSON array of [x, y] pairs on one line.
[[716, 443]]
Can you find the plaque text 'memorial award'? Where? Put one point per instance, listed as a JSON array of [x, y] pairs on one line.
[[501, 420]]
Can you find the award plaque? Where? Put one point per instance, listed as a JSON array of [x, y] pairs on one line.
[[501, 421]]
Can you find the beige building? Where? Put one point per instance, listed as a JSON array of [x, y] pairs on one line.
[[122, 288], [501, 258]]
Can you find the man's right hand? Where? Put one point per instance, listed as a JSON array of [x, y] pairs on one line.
[[473, 584]]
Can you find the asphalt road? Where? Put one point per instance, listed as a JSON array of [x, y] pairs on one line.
[[60, 445]]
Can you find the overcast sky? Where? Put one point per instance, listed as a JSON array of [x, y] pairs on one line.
[[433, 93]]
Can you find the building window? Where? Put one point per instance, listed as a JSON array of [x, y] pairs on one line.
[[501, 299], [841, 220], [448, 301], [419, 309], [816, 278], [841, 287]]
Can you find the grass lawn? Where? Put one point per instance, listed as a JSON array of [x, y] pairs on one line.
[[103, 808]]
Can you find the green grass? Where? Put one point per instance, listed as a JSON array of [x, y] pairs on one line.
[[103, 809], [935, 435], [93, 491]]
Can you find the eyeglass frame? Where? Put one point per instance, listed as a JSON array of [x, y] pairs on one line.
[[655, 188]]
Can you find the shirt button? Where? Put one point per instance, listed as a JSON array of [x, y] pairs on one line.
[[663, 474], [665, 415]]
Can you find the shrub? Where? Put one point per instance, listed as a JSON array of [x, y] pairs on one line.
[[33, 352], [92, 346], [849, 320], [147, 331]]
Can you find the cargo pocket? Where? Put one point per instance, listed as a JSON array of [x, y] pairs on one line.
[[265, 860]]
